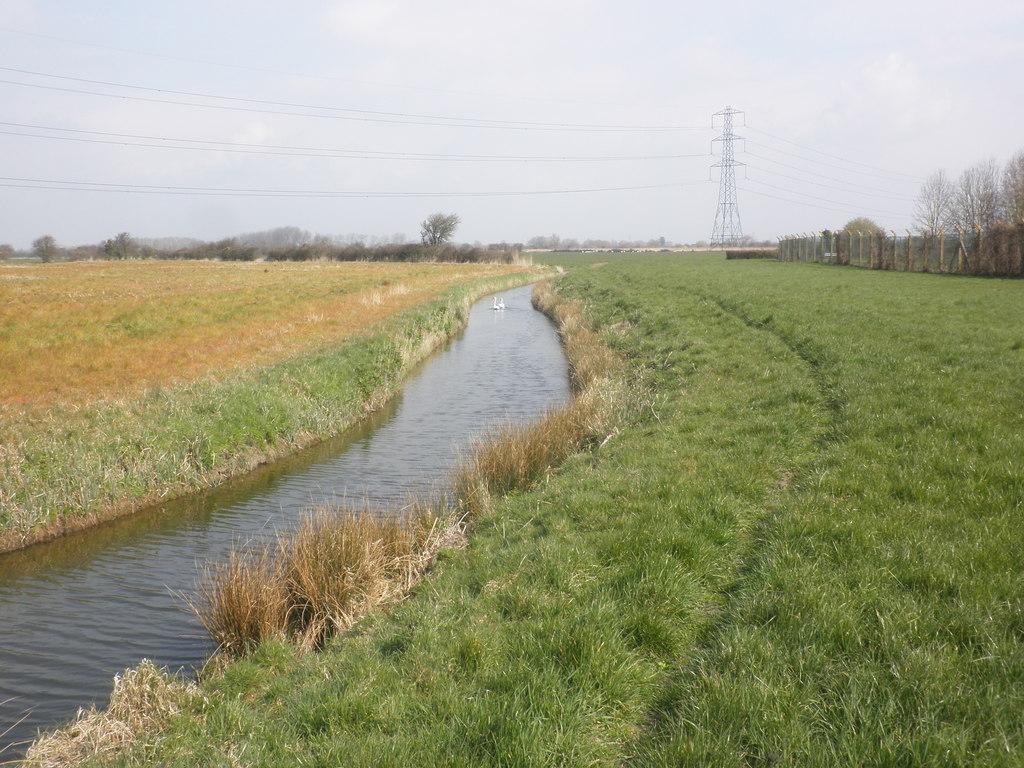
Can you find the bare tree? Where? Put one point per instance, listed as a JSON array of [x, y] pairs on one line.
[[6, 251], [1013, 189], [438, 228], [934, 206], [976, 199], [45, 247]]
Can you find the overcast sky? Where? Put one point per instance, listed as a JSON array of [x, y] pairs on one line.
[[585, 118]]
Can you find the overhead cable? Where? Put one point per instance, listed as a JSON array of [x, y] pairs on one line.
[[165, 142], [343, 113]]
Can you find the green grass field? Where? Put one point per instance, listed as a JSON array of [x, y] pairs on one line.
[[802, 548]]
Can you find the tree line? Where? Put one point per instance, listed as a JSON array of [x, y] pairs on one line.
[[981, 196], [282, 244]]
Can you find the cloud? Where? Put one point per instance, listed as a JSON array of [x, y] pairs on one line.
[[17, 12], [891, 90], [362, 21]]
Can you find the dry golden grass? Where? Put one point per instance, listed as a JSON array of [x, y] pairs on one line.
[[79, 331], [143, 700], [320, 579]]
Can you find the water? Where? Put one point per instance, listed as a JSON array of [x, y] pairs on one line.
[[76, 611]]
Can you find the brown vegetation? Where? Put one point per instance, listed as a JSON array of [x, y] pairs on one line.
[[318, 580]]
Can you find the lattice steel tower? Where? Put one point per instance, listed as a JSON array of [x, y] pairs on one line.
[[728, 230]]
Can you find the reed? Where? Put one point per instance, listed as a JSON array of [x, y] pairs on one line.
[[317, 580], [242, 600]]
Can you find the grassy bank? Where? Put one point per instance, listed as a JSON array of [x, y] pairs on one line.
[[254, 381], [801, 548]]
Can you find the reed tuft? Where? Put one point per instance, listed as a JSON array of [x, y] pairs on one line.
[[243, 601], [319, 579]]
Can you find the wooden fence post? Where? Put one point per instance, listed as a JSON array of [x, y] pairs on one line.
[[960, 253], [977, 250]]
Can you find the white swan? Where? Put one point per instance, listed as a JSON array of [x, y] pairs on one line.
[[501, 303], [496, 304]]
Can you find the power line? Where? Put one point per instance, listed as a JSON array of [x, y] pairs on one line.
[[157, 189], [796, 202], [868, 190], [163, 142], [289, 73], [887, 171], [820, 199], [343, 113]]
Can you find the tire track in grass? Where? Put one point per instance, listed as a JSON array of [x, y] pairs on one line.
[[670, 707]]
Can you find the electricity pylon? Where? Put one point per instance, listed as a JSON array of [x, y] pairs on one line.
[[728, 230]]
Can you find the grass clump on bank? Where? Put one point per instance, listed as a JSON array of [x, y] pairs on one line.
[[319, 579], [72, 463], [143, 701]]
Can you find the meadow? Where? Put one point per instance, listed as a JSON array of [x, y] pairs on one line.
[[797, 542], [123, 383]]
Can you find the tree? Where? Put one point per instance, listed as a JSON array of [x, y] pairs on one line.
[[6, 251], [45, 248], [438, 228], [863, 225], [934, 206], [976, 196], [120, 247], [1013, 189]]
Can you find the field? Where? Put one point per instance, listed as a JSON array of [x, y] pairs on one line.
[[122, 382], [80, 331], [800, 545]]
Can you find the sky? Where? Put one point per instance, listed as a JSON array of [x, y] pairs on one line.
[[582, 118]]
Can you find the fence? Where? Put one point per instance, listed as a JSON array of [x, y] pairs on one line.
[[997, 251]]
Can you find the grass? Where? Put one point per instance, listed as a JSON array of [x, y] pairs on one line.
[[800, 547], [251, 362]]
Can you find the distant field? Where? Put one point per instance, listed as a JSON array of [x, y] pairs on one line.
[[73, 332]]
